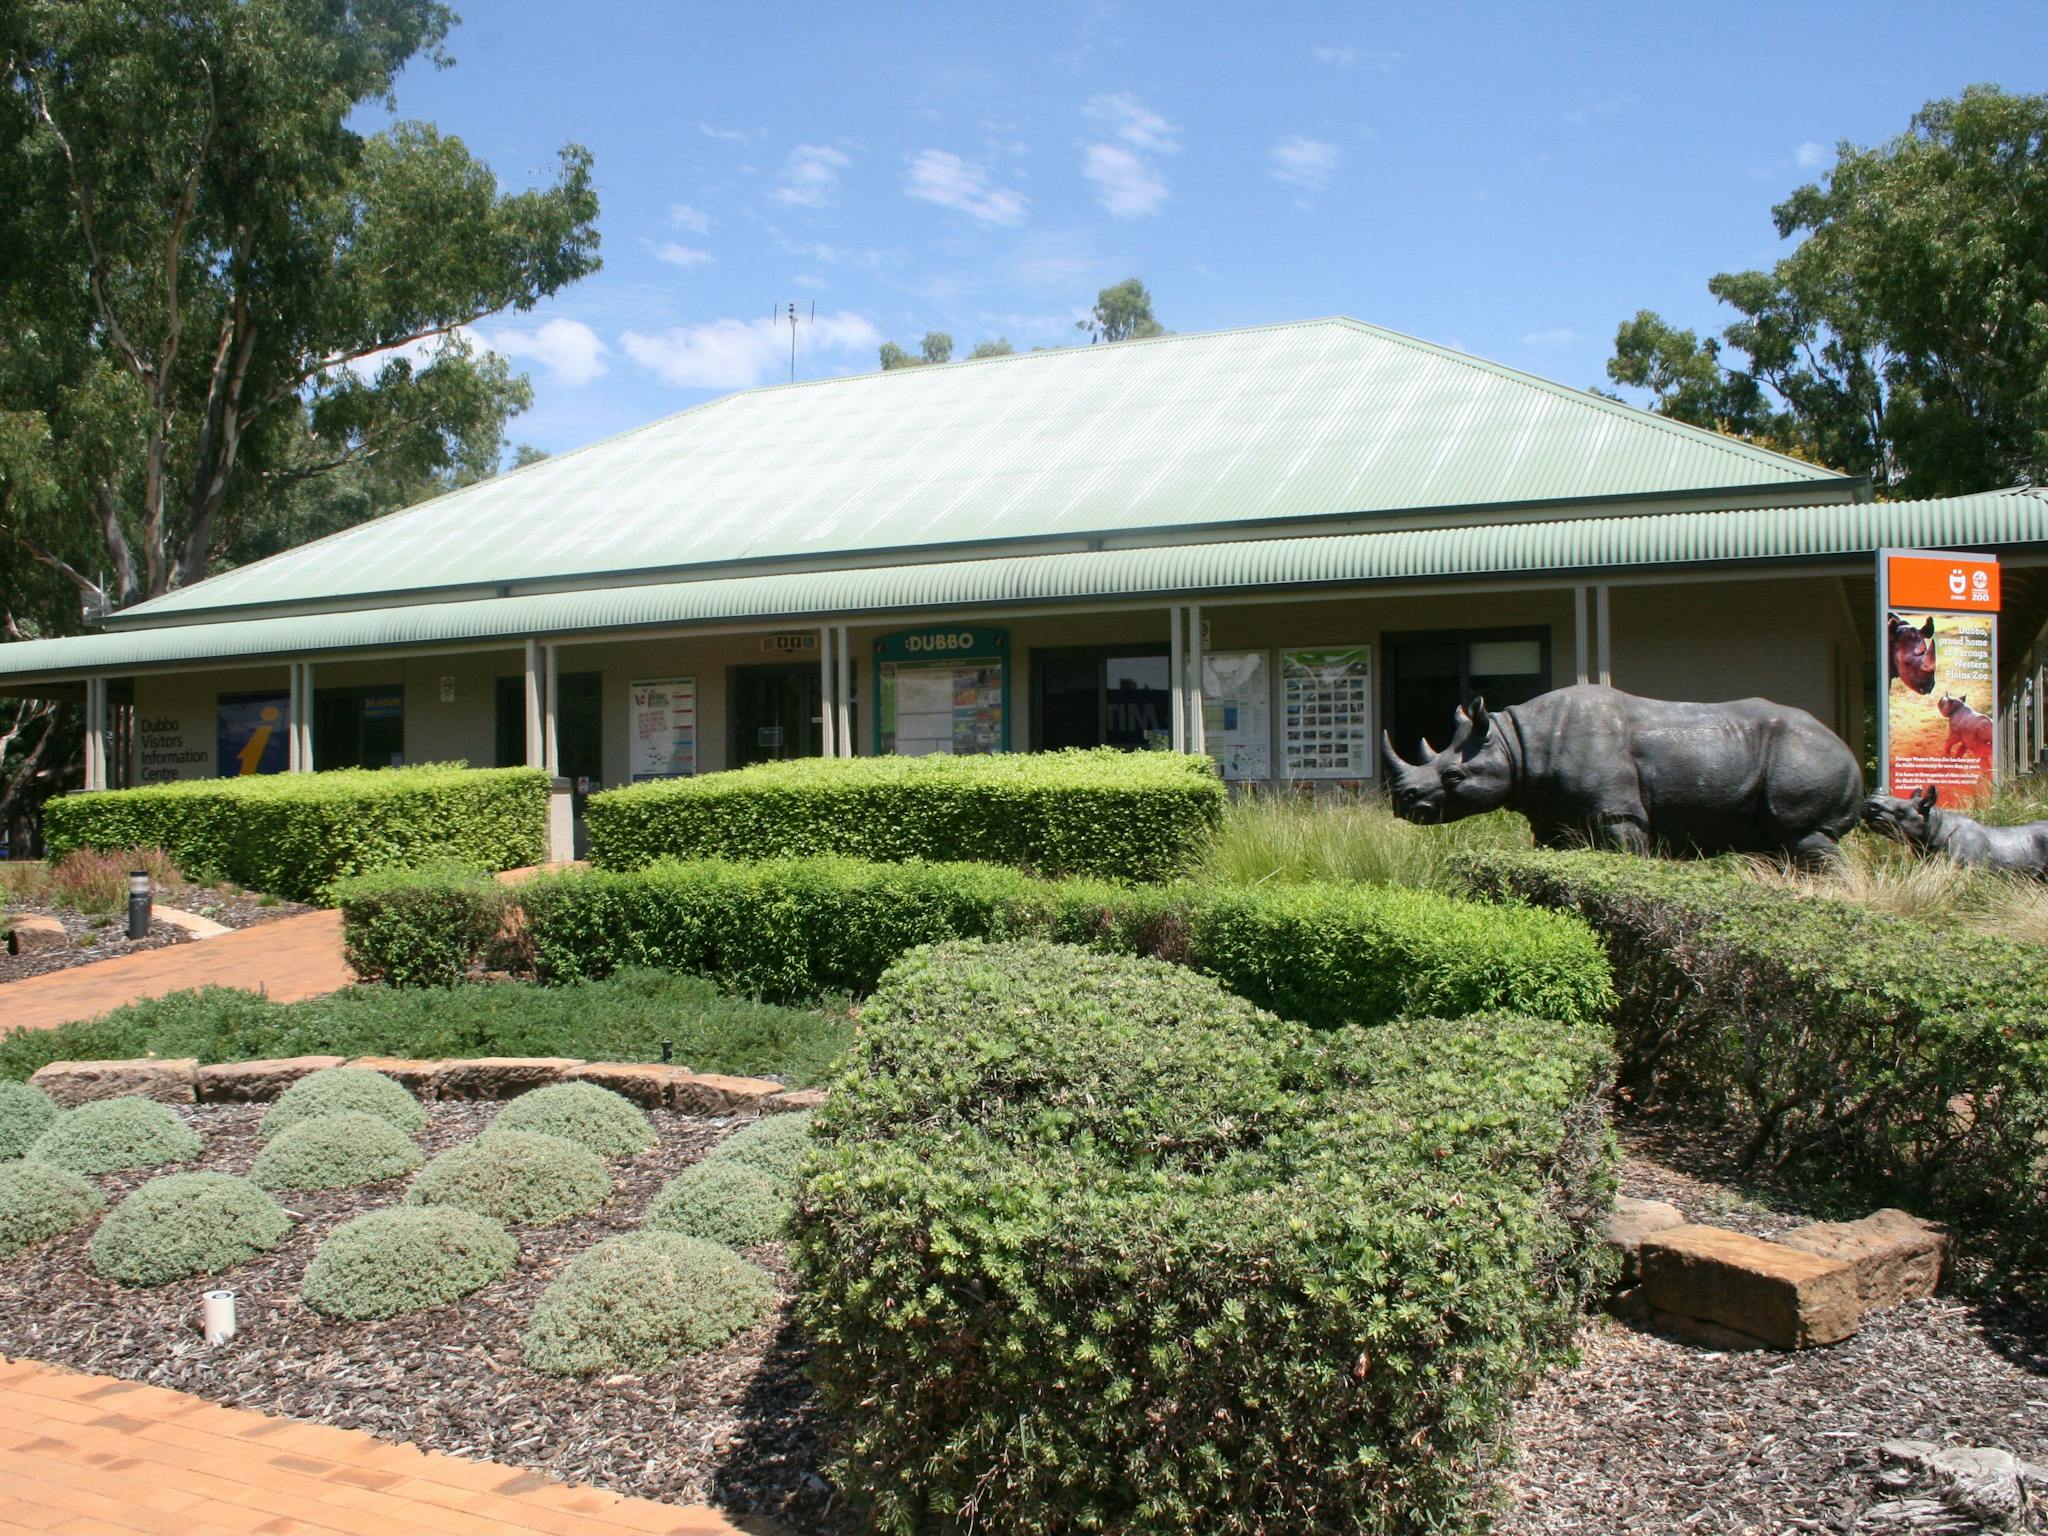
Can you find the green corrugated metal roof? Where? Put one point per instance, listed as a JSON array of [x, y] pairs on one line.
[[1324, 418], [1566, 548]]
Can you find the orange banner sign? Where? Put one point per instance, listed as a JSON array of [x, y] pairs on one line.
[[1945, 583]]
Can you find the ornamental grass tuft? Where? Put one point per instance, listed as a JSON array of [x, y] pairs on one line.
[[515, 1177], [635, 1303], [335, 1152], [608, 1123], [113, 1135], [400, 1260], [350, 1089], [39, 1201], [186, 1224]]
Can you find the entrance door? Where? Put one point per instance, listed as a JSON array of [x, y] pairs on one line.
[[1429, 676], [776, 712], [579, 724], [1104, 696]]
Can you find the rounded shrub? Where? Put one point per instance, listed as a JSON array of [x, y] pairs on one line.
[[775, 1146], [110, 1135], [335, 1152], [637, 1302], [516, 1177], [25, 1113], [402, 1259], [722, 1202], [186, 1224], [352, 1089], [39, 1201], [608, 1123]]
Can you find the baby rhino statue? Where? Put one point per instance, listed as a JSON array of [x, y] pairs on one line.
[[1596, 763], [1916, 822]]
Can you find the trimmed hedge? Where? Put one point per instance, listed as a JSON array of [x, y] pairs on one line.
[[635, 1303], [113, 1135], [293, 834], [1326, 955], [1055, 1286], [338, 1151], [515, 1177], [403, 1259], [721, 1202], [1865, 1054], [25, 1113], [186, 1224], [774, 1147], [346, 1090], [607, 1123], [1118, 815], [39, 1201], [418, 927]]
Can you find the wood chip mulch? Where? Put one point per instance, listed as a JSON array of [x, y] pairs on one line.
[[738, 1426], [94, 937]]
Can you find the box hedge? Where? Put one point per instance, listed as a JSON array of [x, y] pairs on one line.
[[292, 834], [418, 927], [1054, 1285], [635, 1303], [404, 1258], [39, 1201], [796, 929], [186, 1224], [1868, 1056], [1121, 815]]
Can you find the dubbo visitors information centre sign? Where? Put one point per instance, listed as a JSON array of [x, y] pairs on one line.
[[1938, 656]]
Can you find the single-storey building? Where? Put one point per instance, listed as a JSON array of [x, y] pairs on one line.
[[1266, 543]]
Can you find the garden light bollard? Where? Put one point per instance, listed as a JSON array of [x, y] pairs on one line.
[[139, 902], [217, 1313]]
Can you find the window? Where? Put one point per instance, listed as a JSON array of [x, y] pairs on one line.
[[1102, 696], [1429, 676], [359, 727]]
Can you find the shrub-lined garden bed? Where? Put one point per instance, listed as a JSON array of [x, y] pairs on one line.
[[1852, 1048], [293, 834], [1091, 1244], [1120, 815]]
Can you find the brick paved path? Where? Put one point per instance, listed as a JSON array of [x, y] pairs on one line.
[[93, 1454], [290, 958]]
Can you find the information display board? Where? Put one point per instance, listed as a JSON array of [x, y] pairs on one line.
[[1237, 713], [1937, 636], [942, 690], [255, 733], [1326, 723], [664, 741]]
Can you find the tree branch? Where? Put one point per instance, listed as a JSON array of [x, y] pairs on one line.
[[56, 562]]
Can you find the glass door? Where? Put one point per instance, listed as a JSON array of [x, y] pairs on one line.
[[776, 712], [1430, 676]]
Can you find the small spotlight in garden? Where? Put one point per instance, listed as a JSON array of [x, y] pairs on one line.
[[668, 1051], [217, 1314], [139, 902]]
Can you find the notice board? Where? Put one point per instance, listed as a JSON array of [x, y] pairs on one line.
[[1937, 637], [1237, 713], [942, 691], [1326, 727], [664, 742]]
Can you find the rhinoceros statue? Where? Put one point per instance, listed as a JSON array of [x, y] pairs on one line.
[[1917, 822], [1595, 764]]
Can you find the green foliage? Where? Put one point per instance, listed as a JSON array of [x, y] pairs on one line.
[[1123, 312], [1117, 815], [722, 1201], [418, 927], [186, 1224], [293, 834], [403, 1259], [111, 1135], [346, 1090], [1906, 335], [607, 1123], [1299, 1299], [39, 1201], [774, 1146], [335, 1152], [86, 879], [1324, 954], [637, 1302], [1869, 1056], [25, 1113], [1297, 839], [515, 1177], [622, 1018]]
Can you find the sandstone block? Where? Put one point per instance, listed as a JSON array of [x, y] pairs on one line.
[[257, 1082], [30, 934], [713, 1093], [410, 1071], [1897, 1257], [647, 1084], [1781, 1297], [1632, 1221], [790, 1100], [172, 1081], [500, 1077]]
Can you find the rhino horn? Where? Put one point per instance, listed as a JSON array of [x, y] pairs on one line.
[[1387, 746]]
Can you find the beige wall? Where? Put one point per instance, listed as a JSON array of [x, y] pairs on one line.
[[1788, 639]]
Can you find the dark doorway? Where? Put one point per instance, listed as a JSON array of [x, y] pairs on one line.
[[1103, 696], [776, 712], [359, 727], [579, 724], [1430, 675]]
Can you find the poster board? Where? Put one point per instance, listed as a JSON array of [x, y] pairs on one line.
[[1326, 713], [1237, 713], [1937, 637], [664, 740], [942, 691]]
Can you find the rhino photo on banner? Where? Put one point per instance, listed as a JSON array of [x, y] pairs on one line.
[[1937, 635]]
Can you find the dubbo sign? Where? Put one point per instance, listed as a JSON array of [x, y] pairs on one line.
[[1938, 656]]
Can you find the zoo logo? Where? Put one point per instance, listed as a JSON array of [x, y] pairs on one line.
[[963, 640]]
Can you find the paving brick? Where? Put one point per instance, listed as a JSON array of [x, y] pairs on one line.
[[1774, 1296]]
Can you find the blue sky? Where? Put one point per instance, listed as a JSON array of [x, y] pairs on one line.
[[1512, 180]]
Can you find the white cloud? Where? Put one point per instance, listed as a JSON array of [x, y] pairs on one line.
[[683, 216], [1561, 336], [810, 176], [735, 354], [681, 255], [1344, 56], [1811, 155], [1125, 184], [938, 176], [809, 280], [1132, 121], [571, 351], [731, 135], [1304, 162]]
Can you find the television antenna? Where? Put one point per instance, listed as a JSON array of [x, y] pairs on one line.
[[788, 312]]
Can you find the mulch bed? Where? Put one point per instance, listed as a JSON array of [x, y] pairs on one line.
[[738, 1426], [96, 937]]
